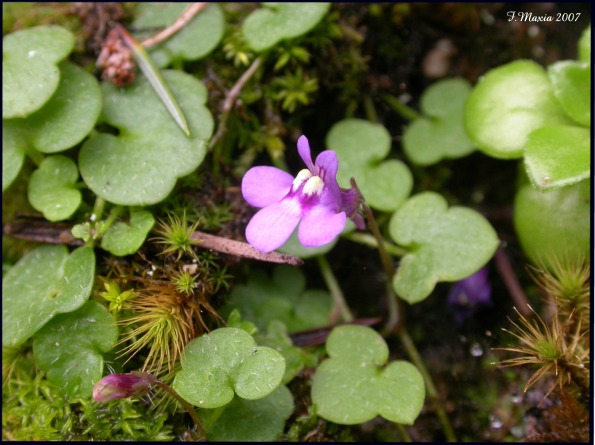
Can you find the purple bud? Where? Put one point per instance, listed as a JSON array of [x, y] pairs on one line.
[[119, 386], [467, 295]]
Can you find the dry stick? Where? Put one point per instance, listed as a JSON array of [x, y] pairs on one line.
[[244, 250], [396, 324], [187, 15], [512, 283], [231, 99]]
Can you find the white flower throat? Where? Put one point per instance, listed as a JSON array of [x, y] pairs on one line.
[[312, 185]]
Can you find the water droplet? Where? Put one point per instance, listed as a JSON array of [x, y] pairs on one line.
[[476, 350], [516, 398], [495, 422]]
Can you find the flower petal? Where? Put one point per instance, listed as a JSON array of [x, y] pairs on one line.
[[273, 225], [320, 226], [304, 151], [327, 165], [263, 186]]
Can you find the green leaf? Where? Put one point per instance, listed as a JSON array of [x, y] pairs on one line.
[[126, 238], [61, 123], [224, 362], [278, 21], [159, 85], [352, 386], [572, 86], [283, 298], [69, 115], [584, 46], [361, 147], [276, 337], [244, 420], [507, 105], [446, 244], [197, 39], [442, 134], [69, 348], [52, 188], [558, 155], [30, 74], [45, 282], [554, 225], [141, 165], [13, 151]]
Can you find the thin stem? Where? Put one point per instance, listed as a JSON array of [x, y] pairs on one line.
[[230, 100], [189, 408], [395, 323], [370, 110], [113, 215], [369, 240], [214, 417], [512, 283], [407, 112], [339, 300], [185, 17], [430, 387], [403, 433], [98, 209]]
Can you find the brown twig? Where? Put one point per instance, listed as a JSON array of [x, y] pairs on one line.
[[244, 250], [512, 283], [230, 100], [185, 17]]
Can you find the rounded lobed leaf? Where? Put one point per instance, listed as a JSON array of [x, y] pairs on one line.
[[30, 74], [352, 387], [276, 337], [69, 348], [571, 82], [14, 145], [555, 224], [244, 420], [69, 115], [126, 238], [446, 244], [227, 360], [507, 105], [197, 39], [278, 21], [52, 188], [45, 282], [361, 147], [283, 298], [141, 165], [558, 155], [441, 135]]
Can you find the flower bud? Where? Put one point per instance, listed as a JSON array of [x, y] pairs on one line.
[[119, 386]]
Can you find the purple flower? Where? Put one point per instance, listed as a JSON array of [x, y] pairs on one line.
[[467, 295], [119, 386], [313, 199]]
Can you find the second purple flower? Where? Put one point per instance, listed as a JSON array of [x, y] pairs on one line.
[[313, 199]]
